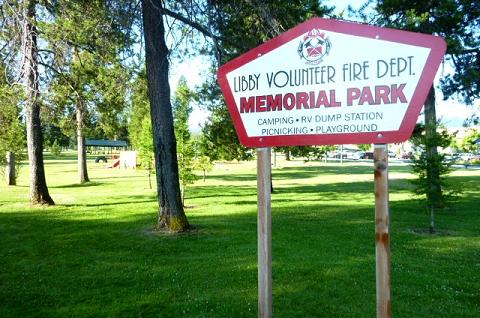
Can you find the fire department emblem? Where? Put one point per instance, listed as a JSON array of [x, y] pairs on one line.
[[314, 47]]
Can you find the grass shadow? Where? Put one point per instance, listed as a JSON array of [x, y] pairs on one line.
[[79, 185], [96, 259]]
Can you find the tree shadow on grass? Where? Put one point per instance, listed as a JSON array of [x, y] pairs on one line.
[[322, 256], [100, 262], [202, 192], [127, 177], [79, 185], [289, 173], [109, 203], [306, 172]]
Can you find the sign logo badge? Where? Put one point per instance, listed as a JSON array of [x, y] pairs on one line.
[[314, 46]]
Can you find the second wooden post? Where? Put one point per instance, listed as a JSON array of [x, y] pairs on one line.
[[382, 232], [264, 233]]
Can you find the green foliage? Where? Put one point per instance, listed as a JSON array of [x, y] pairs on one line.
[[99, 238], [365, 147], [423, 161], [55, 149], [468, 142], [98, 87], [242, 26], [12, 129], [307, 152], [53, 133], [310, 152], [455, 20], [185, 149], [12, 132], [186, 163], [145, 144], [219, 138], [110, 88], [204, 164], [84, 40], [140, 108]]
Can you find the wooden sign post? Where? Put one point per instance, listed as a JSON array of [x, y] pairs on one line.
[[264, 232], [382, 231], [317, 84]]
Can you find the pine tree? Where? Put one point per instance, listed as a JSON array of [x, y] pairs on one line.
[[12, 137], [457, 21], [145, 146], [171, 215], [204, 164], [185, 148]]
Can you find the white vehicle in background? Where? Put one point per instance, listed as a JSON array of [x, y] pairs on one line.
[[467, 156], [358, 155]]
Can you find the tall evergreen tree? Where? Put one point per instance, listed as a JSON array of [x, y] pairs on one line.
[[140, 108], [145, 147], [171, 214], [182, 109], [221, 20], [59, 37], [457, 21], [38, 184], [89, 80], [241, 26], [12, 137]]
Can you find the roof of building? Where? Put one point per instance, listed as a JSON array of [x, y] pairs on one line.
[[105, 143]]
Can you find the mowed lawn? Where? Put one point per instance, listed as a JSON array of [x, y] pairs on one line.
[[94, 254]]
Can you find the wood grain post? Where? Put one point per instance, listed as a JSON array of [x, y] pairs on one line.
[[264, 232], [382, 232]]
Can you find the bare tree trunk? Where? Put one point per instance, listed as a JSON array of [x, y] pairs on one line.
[[10, 169], [81, 148], [171, 213], [434, 193], [38, 184]]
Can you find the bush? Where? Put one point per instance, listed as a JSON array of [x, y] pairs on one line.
[[432, 186], [475, 161], [55, 149]]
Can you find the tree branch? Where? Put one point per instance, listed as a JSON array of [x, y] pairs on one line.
[[193, 24], [61, 75], [202, 29], [275, 26]]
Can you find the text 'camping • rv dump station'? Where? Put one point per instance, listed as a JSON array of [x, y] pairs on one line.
[[325, 82]]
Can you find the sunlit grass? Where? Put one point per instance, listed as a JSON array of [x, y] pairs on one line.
[[94, 254]]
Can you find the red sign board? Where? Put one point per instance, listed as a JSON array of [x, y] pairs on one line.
[[331, 82]]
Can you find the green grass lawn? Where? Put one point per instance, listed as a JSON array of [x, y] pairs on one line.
[[94, 254]]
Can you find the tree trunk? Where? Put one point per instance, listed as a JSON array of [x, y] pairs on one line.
[[81, 148], [38, 184], [171, 214], [10, 169], [434, 193]]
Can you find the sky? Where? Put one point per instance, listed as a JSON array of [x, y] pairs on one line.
[[451, 112]]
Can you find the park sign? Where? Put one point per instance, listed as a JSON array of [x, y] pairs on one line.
[[331, 82]]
